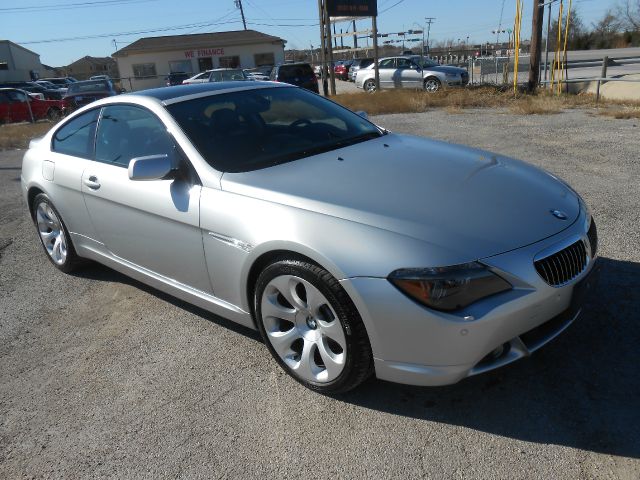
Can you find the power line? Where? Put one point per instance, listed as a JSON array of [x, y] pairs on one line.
[[67, 6], [137, 32]]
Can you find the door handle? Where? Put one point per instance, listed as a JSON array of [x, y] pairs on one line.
[[92, 182]]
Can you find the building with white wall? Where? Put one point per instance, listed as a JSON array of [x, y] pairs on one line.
[[146, 62], [18, 63]]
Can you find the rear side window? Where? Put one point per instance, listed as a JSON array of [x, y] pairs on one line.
[[76, 137], [288, 72]]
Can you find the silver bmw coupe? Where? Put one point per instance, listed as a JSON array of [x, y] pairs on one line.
[[353, 250]]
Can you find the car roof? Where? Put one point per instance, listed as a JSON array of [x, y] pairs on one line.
[[171, 94]]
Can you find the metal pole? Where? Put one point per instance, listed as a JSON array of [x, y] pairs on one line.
[[603, 74], [374, 27], [546, 45], [323, 46], [429, 22]]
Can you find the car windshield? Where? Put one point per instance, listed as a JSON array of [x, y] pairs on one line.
[[253, 129], [97, 86]]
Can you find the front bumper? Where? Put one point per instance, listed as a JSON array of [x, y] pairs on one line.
[[419, 346]]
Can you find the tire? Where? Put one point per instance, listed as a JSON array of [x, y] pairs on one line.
[[311, 327], [53, 234], [54, 114], [369, 85], [432, 84]]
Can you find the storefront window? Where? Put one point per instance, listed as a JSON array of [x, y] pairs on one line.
[[180, 66], [144, 70], [205, 64], [229, 62], [264, 59]]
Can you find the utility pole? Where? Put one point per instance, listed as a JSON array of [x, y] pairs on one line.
[[429, 21], [239, 5], [332, 75], [536, 45], [323, 50], [376, 56], [355, 37]]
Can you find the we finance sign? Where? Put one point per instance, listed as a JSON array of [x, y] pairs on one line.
[[352, 8]]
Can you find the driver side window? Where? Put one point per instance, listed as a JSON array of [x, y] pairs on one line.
[[388, 63], [126, 132]]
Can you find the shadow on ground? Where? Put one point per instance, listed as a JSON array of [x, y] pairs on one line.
[[580, 391]]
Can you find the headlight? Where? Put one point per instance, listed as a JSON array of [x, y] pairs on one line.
[[448, 288]]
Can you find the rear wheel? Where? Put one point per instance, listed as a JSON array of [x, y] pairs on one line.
[[311, 327], [53, 234]]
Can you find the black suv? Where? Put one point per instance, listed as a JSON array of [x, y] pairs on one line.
[[299, 74]]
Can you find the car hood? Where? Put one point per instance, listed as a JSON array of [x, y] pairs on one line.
[[445, 69], [475, 203]]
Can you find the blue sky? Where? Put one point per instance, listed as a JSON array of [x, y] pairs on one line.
[[47, 26]]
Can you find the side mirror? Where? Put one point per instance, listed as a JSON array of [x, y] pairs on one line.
[[152, 167], [363, 114]]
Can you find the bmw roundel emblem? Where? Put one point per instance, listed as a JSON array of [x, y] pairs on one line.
[[559, 214]]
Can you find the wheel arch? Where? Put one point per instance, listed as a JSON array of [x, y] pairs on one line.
[[31, 195], [270, 256]]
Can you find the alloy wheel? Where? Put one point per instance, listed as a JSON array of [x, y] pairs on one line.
[[303, 329], [52, 233], [431, 85]]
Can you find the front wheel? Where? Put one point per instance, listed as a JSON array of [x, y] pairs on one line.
[[311, 326], [369, 85], [432, 84]]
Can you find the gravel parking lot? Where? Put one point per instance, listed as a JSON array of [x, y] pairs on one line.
[[102, 376]]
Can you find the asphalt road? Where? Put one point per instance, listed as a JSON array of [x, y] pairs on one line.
[[101, 376]]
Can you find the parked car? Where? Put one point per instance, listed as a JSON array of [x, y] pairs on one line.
[[260, 73], [358, 63], [17, 106], [341, 70], [411, 72], [61, 82], [82, 93], [34, 88], [228, 74], [202, 77], [51, 86], [176, 78], [351, 249], [299, 74]]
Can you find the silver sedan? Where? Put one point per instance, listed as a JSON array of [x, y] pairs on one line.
[[353, 250], [411, 72]]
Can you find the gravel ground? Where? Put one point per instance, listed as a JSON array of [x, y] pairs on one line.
[[103, 377]]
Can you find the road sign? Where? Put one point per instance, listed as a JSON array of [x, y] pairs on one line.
[[352, 8]]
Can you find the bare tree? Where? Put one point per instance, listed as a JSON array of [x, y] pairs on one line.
[[630, 11]]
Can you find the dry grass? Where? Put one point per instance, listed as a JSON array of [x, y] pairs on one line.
[[18, 135], [456, 100], [621, 113]]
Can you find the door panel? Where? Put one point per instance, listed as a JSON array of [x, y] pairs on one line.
[[407, 75], [154, 224]]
